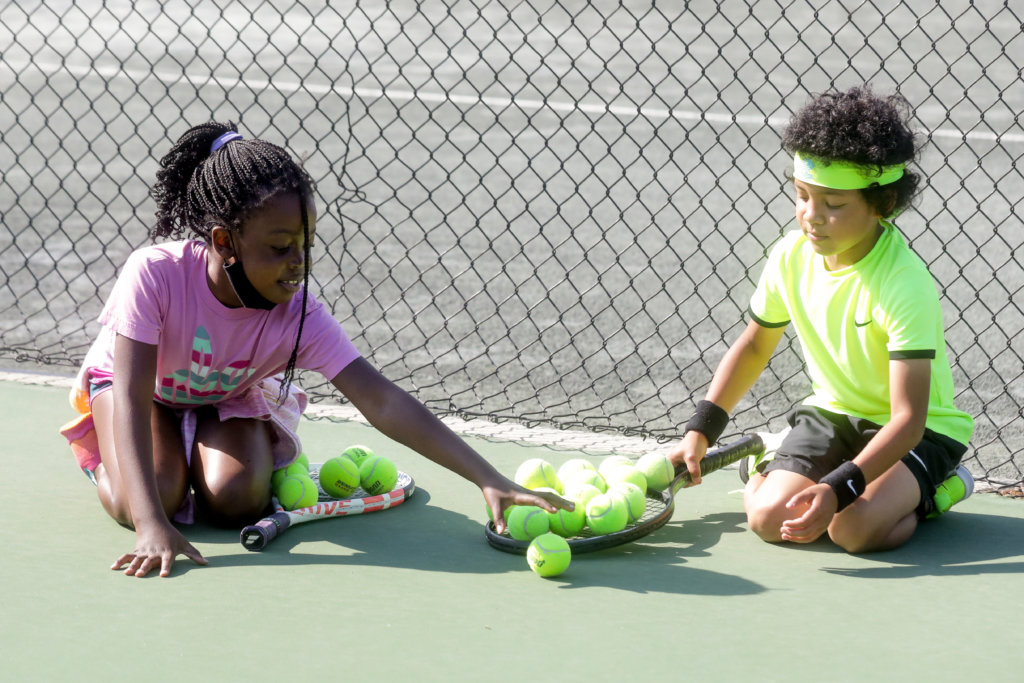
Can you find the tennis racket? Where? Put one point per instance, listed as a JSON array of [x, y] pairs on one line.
[[256, 537], [659, 509]]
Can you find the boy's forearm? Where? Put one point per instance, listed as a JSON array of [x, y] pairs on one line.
[[887, 447], [741, 366]]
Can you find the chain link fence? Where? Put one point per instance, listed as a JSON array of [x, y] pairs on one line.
[[547, 213]]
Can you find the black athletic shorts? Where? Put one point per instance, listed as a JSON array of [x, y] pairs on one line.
[[821, 441]]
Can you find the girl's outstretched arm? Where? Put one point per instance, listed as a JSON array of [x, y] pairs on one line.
[[157, 543], [401, 417]]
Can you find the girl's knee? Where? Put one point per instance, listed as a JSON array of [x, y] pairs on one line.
[[171, 488], [235, 499]]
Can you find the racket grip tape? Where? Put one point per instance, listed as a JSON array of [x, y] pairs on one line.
[[721, 457], [258, 536]]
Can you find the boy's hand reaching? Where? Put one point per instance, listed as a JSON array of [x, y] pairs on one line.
[[157, 546]]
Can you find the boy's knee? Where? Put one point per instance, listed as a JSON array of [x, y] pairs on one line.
[[765, 520]]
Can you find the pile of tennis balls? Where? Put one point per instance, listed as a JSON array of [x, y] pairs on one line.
[[358, 467], [608, 497]]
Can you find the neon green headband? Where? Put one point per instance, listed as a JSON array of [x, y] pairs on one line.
[[842, 175]]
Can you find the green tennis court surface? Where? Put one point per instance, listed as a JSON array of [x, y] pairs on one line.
[[416, 593]]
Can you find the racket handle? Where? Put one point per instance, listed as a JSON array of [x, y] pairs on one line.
[[718, 458], [256, 537]]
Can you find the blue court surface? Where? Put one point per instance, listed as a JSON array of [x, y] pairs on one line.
[[416, 593]]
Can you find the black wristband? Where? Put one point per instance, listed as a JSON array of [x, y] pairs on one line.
[[709, 419], [847, 481]]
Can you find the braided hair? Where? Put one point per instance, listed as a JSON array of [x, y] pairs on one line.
[[862, 128], [197, 189]]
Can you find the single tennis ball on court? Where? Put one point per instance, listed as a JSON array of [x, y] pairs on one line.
[[569, 467], [606, 514], [377, 475], [536, 473], [339, 477], [613, 461], [567, 524], [581, 493], [527, 522], [303, 460], [357, 454], [626, 473], [658, 469], [296, 491], [636, 501], [548, 555], [586, 477]]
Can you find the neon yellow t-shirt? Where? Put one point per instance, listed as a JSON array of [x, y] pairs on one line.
[[851, 322]]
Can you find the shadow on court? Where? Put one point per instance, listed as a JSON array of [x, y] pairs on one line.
[[963, 544]]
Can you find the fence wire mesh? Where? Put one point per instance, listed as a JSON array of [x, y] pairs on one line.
[[551, 213]]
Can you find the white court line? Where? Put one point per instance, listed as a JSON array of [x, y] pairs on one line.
[[469, 101]]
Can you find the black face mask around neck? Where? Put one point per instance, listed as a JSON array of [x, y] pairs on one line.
[[244, 289]]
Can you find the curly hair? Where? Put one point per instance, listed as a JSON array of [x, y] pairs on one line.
[[197, 189], [862, 128]]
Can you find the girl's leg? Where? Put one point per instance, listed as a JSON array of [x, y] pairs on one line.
[[884, 517], [168, 460], [231, 466], [765, 499]]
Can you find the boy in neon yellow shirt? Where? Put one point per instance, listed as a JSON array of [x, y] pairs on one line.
[[879, 433]]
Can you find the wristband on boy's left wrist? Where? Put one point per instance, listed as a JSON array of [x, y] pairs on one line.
[[847, 481]]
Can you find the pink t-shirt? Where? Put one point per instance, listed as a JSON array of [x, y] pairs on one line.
[[207, 351]]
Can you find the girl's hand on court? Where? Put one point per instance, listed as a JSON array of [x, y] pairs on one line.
[[501, 497], [157, 546], [690, 451], [821, 503]]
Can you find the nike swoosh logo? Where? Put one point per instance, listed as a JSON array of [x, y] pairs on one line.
[[859, 324], [849, 483]]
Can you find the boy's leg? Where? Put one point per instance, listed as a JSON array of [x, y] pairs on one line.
[[231, 466], [168, 460], [765, 498], [884, 517]]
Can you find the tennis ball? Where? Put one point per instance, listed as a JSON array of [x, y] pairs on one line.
[[658, 469], [581, 493], [548, 555], [504, 514], [569, 467], [377, 475], [537, 472], [303, 460], [567, 524], [297, 491], [606, 514], [616, 475], [277, 476], [295, 469], [586, 477], [527, 522], [339, 477], [634, 498], [613, 461], [357, 454]]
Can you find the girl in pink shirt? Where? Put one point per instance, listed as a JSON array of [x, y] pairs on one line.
[[188, 387]]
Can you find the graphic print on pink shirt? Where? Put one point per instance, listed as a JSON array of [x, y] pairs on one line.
[[201, 383]]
